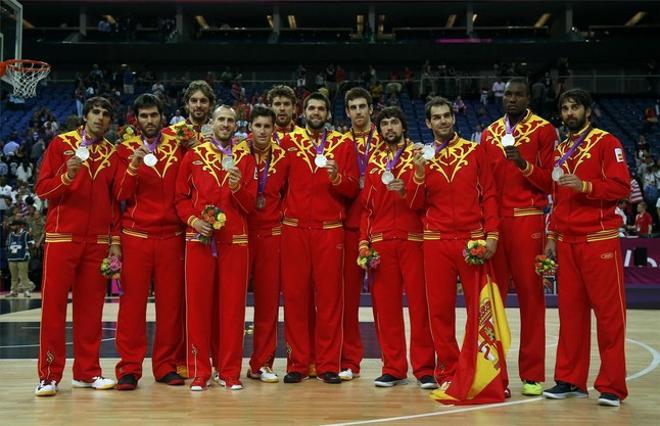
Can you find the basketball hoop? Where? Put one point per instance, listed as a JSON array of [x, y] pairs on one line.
[[24, 75]]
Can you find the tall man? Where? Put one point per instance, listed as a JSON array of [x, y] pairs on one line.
[[199, 101], [265, 225], [367, 141], [323, 176], [282, 100], [76, 178], [394, 230], [521, 204], [590, 175], [453, 186], [153, 244], [218, 175]]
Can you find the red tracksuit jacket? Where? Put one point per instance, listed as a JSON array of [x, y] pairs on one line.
[[201, 181], [458, 195], [270, 217], [386, 215], [535, 139], [588, 215], [149, 191], [82, 209], [311, 199], [354, 213]]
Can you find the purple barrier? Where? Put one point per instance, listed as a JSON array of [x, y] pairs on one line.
[[641, 275]]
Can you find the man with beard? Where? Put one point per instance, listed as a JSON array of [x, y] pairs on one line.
[[590, 175], [367, 141], [199, 99], [282, 100], [454, 189], [153, 244], [83, 219], [394, 230], [521, 134], [265, 225], [215, 193], [323, 177]]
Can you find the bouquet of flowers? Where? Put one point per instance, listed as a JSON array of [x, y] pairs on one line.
[[126, 132], [545, 266], [474, 252], [185, 133], [215, 217], [368, 258], [111, 268]]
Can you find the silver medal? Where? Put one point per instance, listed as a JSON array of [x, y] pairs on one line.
[[261, 202], [557, 173], [387, 177], [150, 160], [418, 145], [82, 152], [428, 152], [320, 160], [508, 140], [207, 132], [227, 162], [361, 182]]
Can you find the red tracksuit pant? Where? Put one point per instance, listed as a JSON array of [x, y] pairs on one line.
[[590, 276], [443, 263], [401, 266], [352, 349], [265, 272], [312, 273], [75, 267], [221, 282], [521, 240], [145, 259]]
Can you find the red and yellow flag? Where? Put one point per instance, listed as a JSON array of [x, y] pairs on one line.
[[481, 375]]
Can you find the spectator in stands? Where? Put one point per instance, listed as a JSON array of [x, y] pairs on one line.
[[79, 95], [18, 245], [498, 91], [158, 88], [650, 181], [635, 192], [408, 76], [642, 148], [301, 77], [458, 106], [177, 117], [10, 147], [226, 77], [650, 119], [4, 168], [621, 211], [319, 80], [24, 171], [129, 80], [476, 135], [377, 89], [340, 77], [643, 221]]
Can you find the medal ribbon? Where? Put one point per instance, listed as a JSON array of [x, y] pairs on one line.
[[224, 150], [392, 163], [263, 176], [86, 142], [321, 147], [443, 145], [151, 146], [507, 124], [363, 160], [577, 143]]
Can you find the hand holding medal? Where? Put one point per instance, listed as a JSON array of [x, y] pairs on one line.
[[333, 170], [558, 174]]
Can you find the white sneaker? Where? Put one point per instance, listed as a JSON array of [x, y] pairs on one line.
[[348, 375], [27, 294], [265, 374], [99, 383], [216, 377], [46, 388], [232, 386]]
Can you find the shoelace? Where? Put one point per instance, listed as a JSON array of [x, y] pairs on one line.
[[44, 383], [266, 370]]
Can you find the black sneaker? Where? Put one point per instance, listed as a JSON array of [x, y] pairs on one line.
[[563, 390], [388, 380], [427, 382], [609, 400], [172, 379], [293, 377], [330, 378], [127, 382]]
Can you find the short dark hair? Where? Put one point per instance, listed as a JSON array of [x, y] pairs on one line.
[[318, 96], [147, 100], [518, 80], [98, 101], [281, 91], [437, 101], [199, 86], [357, 93], [579, 96], [260, 111], [392, 112]]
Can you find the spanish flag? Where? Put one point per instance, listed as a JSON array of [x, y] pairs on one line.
[[481, 375]]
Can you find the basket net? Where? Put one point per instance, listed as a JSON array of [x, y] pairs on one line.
[[24, 75]]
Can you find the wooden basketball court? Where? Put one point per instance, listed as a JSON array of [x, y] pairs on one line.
[[313, 402]]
